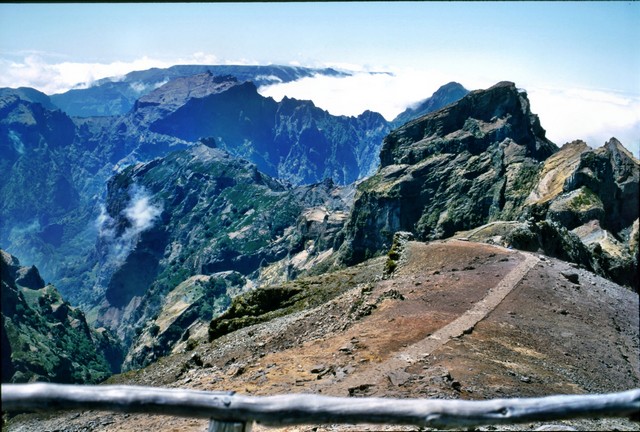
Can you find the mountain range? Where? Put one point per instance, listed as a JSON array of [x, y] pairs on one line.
[[117, 95], [203, 211]]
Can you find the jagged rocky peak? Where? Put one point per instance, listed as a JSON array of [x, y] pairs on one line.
[[472, 124], [15, 274], [483, 166], [467, 164]]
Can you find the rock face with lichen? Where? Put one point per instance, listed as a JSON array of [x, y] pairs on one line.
[[483, 166], [465, 165], [594, 196]]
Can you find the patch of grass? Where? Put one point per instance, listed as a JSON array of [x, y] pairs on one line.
[[390, 266], [584, 199]]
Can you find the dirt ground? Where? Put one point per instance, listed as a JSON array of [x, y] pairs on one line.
[[456, 320]]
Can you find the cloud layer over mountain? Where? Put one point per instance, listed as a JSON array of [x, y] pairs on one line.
[[594, 115]]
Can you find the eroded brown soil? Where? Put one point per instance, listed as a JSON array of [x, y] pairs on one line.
[[547, 336]]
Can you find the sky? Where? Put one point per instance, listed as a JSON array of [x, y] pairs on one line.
[[578, 61]]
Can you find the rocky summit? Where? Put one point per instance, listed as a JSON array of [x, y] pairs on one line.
[[442, 97], [485, 160]]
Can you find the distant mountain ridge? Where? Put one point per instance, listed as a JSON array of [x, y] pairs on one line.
[[445, 95], [290, 139], [116, 96]]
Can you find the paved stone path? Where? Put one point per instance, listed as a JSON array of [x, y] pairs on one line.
[[461, 325]]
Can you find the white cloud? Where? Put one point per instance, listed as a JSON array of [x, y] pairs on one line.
[[140, 213], [591, 115], [567, 114], [386, 93], [57, 77]]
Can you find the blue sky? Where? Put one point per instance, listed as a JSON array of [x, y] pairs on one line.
[[575, 59]]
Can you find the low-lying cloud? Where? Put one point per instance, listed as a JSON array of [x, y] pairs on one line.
[[49, 77], [52, 78], [140, 212], [593, 115], [567, 114], [386, 93], [141, 215]]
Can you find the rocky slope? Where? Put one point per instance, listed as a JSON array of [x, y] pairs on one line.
[[484, 160], [197, 213], [572, 212], [44, 338], [454, 320]]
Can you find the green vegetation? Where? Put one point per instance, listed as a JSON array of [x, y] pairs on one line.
[[392, 258], [48, 339], [584, 199], [265, 304]]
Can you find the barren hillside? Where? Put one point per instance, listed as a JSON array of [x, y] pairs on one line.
[[455, 319]]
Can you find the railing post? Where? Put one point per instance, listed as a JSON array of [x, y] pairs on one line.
[[228, 426]]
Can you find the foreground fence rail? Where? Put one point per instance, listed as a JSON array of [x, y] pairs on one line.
[[229, 411]]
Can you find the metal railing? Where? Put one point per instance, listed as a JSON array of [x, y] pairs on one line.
[[233, 412]]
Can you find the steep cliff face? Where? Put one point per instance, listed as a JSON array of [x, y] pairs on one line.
[[40, 186], [467, 164], [46, 339], [483, 168], [291, 139]]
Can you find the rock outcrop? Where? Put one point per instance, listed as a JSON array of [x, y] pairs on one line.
[[467, 164], [483, 168], [44, 338]]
